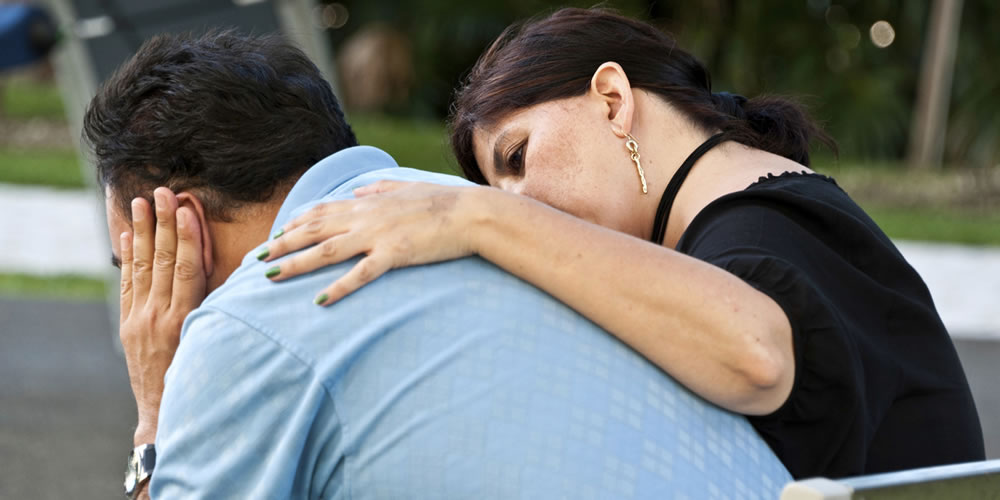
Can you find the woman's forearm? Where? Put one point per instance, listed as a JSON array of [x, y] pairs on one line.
[[708, 329]]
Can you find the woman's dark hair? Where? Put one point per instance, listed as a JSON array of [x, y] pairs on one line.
[[233, 116], [556, 56]]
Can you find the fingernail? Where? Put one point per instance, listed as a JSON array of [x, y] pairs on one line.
[[274, 271], [320, 299], [279, 233], [263, 254]]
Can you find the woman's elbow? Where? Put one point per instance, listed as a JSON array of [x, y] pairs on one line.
[[769, 372]]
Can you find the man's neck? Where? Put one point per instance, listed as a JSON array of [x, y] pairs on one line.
[[231, 241]]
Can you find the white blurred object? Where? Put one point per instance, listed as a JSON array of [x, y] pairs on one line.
[[46, 231], [965, 284]]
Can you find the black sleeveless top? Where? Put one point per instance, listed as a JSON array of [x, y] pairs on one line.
[[878, 385]]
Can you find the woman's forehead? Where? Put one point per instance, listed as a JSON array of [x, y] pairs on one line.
[[488, 133]]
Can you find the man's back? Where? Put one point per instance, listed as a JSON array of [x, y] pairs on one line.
[[453, 380]]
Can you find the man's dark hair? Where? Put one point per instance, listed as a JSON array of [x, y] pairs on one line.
[[233, 117]]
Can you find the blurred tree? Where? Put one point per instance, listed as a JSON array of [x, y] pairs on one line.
[[937, 67], [818, 50], [448, 36], [821, 50], [974, 121]]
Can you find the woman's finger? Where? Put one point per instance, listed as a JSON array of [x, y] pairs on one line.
[[379, 187], [142, 250], [189, 270], [126, 269], [331, 251], [165, 248], [364, 272], [317, 212], [310, 233]]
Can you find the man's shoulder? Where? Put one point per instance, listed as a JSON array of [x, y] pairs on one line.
[[283, 313], [404, 174]]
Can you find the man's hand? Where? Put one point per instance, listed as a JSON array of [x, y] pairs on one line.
[[163, 279]]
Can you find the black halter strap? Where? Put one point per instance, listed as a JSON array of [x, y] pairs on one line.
[[669, 194]]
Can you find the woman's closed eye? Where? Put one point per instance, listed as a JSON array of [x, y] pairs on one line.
[[514, 163]]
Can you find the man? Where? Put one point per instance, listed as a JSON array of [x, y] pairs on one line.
[[453, 380]]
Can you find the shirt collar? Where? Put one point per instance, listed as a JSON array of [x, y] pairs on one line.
[[330, 173]]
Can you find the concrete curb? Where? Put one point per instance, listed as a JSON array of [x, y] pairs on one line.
[[964, 281]]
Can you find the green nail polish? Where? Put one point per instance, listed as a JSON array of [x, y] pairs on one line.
[[263, 254], [274, 271], [321, 298], [279, 233]]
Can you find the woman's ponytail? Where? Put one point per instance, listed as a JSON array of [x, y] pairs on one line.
[[781, 126]]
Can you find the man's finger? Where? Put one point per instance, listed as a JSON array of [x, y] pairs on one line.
[[142, 250], [189, 271], [165, 247], [364, 272], [126, 281]]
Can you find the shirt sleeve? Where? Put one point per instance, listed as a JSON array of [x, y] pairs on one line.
[[242, 417], [819, 427]]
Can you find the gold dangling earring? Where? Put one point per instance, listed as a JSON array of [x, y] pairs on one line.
[[633, 148]]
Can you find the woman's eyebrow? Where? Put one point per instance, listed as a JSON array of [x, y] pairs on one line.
[[115, 261]]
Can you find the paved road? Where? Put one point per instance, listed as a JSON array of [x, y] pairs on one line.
[[66, 410]]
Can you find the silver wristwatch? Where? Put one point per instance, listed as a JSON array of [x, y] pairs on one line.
[[140, 465]]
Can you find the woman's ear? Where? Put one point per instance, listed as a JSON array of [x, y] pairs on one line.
[[191, 200], [611, 85]]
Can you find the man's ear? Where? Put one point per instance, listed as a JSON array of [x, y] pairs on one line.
[[611, 86], [191, 200]]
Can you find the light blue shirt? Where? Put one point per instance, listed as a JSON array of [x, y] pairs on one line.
[[447, 381]]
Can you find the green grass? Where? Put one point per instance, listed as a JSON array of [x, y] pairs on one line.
[[58, 168], [56, 287], [937, 225], [25, 99], [415, 144]]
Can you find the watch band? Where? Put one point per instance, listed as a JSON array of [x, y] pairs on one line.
[[141, 462]]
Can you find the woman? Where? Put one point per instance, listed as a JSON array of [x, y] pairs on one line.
[[782, 300]]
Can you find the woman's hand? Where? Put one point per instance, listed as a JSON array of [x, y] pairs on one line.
[[163, 279], [396, 224]]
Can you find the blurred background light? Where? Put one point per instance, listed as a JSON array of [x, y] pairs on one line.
[[335, 16], [94, 27], [882, 34]]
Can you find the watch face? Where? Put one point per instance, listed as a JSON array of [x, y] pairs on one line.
[[131, 472]]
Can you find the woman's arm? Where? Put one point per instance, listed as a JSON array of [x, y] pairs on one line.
[[715, 334], [707, 328]]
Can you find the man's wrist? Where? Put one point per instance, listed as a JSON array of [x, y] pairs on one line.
[[145, 433]]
